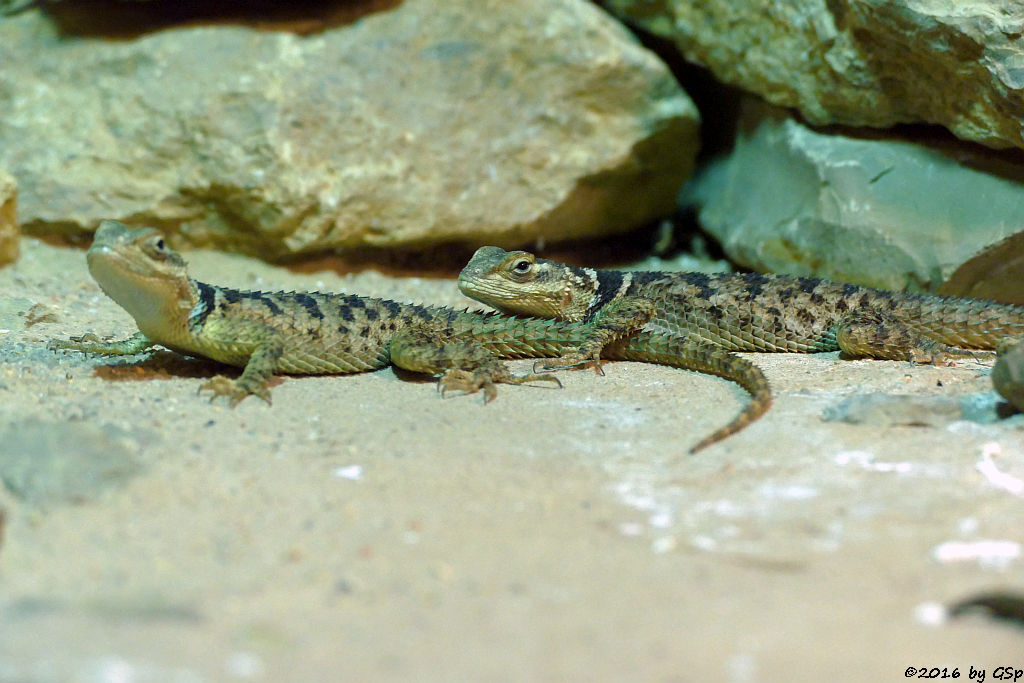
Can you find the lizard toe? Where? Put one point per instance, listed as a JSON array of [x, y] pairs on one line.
[[940, 354], [457, 380], [569, 361], [226, 387], [533, 377]]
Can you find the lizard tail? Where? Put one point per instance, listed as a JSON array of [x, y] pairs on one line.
[[679, 353]]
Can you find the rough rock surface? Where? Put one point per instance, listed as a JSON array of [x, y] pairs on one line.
[[996, 272], [861, 62], [435, 122], [878, 211], [1008, 375], [9, 232]]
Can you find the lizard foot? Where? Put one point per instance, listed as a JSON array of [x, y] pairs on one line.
[[234, 389], [90, 343], [84, 343], [472, 381], [570, 360], [468, 382], [945, 355]]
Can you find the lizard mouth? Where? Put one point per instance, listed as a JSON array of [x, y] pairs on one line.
[[104, 257], [492, 296]]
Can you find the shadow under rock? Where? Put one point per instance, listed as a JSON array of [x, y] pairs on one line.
[[665, 238], [117, 19]]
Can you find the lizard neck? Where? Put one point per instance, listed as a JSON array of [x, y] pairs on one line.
[[582, 293], [163, 313], [605, 286]]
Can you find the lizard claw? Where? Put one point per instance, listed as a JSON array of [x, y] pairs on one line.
[[467, 382], [946, 356], [572, 360], [74, 343], [983, 356], [236, 390], [471, 382], [534, 377]]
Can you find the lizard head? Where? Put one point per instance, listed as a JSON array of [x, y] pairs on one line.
[[138, 270], [519, 283]]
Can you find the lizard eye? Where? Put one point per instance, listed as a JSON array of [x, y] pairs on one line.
[[158, 248], [522, 267]]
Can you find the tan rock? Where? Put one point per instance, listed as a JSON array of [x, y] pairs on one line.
[[435, 122], [861, 62], [996, 272], [9, 232], [872, 210]]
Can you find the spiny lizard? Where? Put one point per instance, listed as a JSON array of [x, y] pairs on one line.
[[316, 333], [736, 312]]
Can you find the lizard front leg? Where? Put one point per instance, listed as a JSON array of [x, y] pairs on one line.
[[616, 321], [880, 336], [463, 366], [90, 343], [255, 378]]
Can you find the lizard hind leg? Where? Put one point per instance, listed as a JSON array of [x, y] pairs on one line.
[[874, 335], [463, 366], [619, 319], [471, 381], [254, 380]]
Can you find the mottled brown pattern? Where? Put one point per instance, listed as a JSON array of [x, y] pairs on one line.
[[737, 312]]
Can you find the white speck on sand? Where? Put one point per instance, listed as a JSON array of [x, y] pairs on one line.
[[931, 614], [350, 472], [994, 554]]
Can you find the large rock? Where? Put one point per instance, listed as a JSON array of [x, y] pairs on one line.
[[872, 210], [861, 62], [438, 121], [9, 232]]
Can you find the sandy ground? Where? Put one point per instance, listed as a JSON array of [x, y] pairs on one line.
[[362, 528]]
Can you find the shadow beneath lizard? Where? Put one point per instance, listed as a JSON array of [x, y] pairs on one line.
[[164, 364], [161, 364]]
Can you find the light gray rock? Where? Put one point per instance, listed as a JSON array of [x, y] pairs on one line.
[[73, 462], [888, 410], [877, 210], [861, 62], [996, 272], [435, 122], [9, 232], [1008, 375]]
